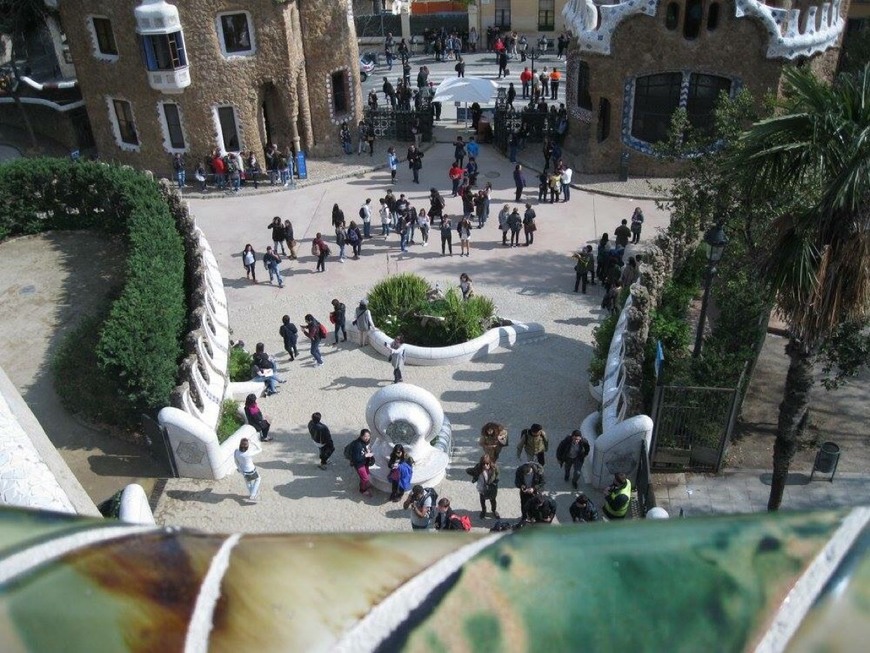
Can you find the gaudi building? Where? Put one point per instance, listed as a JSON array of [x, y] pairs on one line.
[[632, 63], [160, 78]]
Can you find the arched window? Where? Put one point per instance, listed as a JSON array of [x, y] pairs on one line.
[[584, 100], [672, 16], [713, 17], [340, 102], [694, 16], [603, 119], [704, 91]]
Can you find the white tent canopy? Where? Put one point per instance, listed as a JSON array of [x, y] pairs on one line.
[[466, 89]]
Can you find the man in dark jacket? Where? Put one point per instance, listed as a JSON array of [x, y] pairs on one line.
[[583, 510], [519, 181], [541, 509], [319, 432], [622, 233], [339, 314], [528, 479], [571, 453]]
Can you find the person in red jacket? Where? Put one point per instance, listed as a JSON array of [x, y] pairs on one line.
[[526, 79], [455, 174]]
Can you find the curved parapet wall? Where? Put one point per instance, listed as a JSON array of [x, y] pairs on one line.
[[134, 507], [796, 32], [504, 336], [32, 472], [758, 582], [594, 24]]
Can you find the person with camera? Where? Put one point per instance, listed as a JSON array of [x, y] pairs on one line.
[[617, 498], [362, 458]]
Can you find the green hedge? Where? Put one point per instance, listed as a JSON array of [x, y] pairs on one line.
[[140, 341]]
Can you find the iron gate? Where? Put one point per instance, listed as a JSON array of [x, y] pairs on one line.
[[537, 125], [396, 125], [692, 426]]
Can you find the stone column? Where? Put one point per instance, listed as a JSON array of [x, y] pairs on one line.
[[406, 23]]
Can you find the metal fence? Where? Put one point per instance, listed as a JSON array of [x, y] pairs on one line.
[[645, 497], [692, 426], [396, 125], [535, 125]]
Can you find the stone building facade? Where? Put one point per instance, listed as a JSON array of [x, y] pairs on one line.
[[633, 62], [160, 78]]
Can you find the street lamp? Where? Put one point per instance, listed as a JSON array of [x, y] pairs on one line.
[[715, 242]]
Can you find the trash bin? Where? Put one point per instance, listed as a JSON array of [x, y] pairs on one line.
[[827, 459], [623, 166]]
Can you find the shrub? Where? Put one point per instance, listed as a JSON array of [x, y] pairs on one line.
[[602, 335], [140, 341], [399, 305], [240, 364], [229, 421]]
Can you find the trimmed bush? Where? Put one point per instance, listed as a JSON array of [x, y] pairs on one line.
[[229, 421], [140, 341], [240, 364], [399, 305]]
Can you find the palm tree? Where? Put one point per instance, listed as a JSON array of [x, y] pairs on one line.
[[818, 151]]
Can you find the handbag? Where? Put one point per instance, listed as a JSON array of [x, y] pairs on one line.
[[393, 476], [251, 476], [315, 250], [332, 317]]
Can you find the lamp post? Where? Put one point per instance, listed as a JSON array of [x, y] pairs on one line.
[[715, 241], [531, 55]]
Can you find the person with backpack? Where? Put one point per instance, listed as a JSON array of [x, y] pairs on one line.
[[341, 241], [484, 475], [361, 458], [290, 334], [609, 303], [528, 479], [582, 268], [363, 322], [320, 249], [533, 441], [354, 237], [447, 520], [541, 509], [397, 357], [319, 432], [529, 225], [422, 502], [571, 453], [279, 234], [315, 332], [272, 261], [365, 214], [338, 317], [583, 510]]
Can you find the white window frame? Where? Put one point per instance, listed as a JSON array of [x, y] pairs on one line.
[[222, 41], [164, 125], [338, 118], [116, 128], [95, 42], [218, 130]]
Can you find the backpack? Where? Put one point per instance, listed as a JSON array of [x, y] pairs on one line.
[[461, 522], [430, 492], [322, 330], [362, 212], [315, 250], [348, 451]]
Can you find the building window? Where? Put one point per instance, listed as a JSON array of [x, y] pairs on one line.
[[713, 17], [171, 115], [547, 15], [503, 13], [123, 119], [164, 51], [603, 119], [340, 102], [228, 128], [236, 34], [694, 15], [584, 99], [672, 16], [704, 92], [656, 97], [104, 38]]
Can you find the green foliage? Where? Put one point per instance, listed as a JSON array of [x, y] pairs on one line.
[[229, 421], [111, 507], [140, 341], [856, 50], [845, 353], [601, 335], [240, 364], [398, 305]]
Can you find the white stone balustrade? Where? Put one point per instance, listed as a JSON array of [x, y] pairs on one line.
[[614, 440]]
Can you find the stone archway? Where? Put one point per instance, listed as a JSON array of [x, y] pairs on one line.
[[273, 118]]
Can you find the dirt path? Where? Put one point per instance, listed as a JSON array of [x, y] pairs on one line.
[[47, 284]]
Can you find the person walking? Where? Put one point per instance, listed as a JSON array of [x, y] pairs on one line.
[[249, 260], [529, 225], [255, 418], [272, 262], [384, 212], [493, 438], [528, 479], [289, 238], [341, 241], [315, 333], [464, 231], [519, 182], [446, 235], [397, 357], [365, 213], [321, 250], [436, 205], [571, 453], [363, 322], [245, 465], [423, 224], [459, 151], [355, 238], [484, 475], [290, 335], [178, 167], [361, 458], [582, 267], [455, 174], [338, 316], [415, 162], [533, 441], [636, 225], [319, 432]]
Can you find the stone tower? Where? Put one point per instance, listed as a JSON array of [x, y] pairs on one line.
[[160, 77], [633, 62]]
